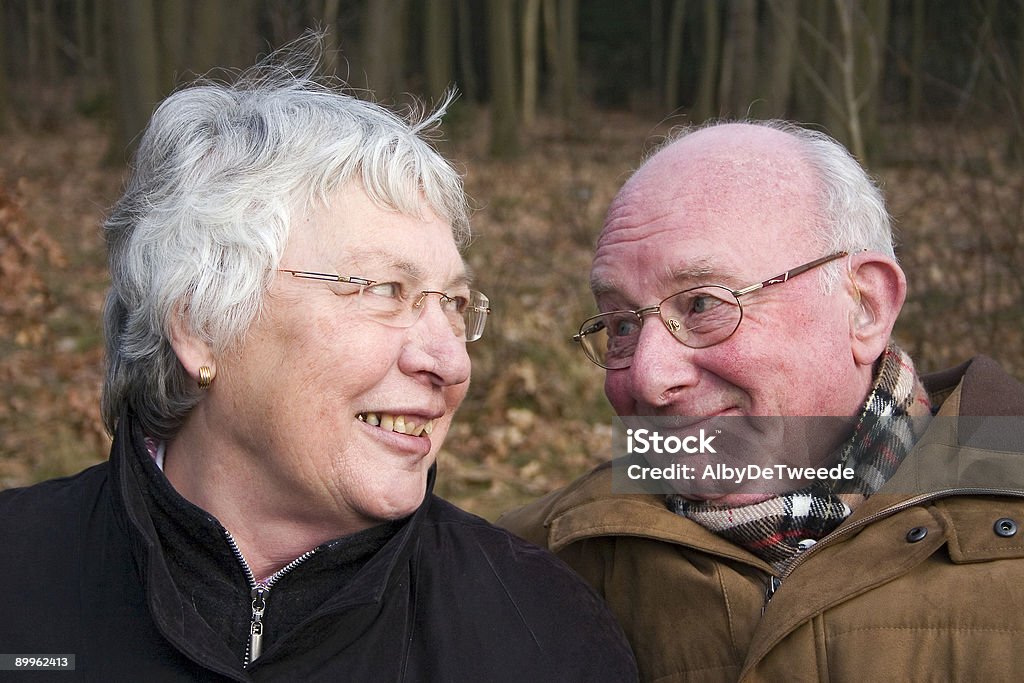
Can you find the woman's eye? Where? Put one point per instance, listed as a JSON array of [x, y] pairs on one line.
[[387, 290], [455, 303]]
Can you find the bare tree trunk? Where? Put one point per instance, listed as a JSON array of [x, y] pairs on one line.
[[1015, 146], [675, 50], [739, 58], [705, 107], [501, 34], [785, 18], [88, 84], [101, 33], [813, 59], [568, 29], [466, 61], [174, 49], [916, 78], [847, 66], [530, 60], [5, 109], [330, 19], [138, 73], [852, 92], [871, 53], [82, 36], [32, 58], [437, 44], [549, 10], [245, 41], [209, 27], [384, 41], [48, 40], [657, 60]]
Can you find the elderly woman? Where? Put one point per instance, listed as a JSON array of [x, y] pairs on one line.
[[286, 331]]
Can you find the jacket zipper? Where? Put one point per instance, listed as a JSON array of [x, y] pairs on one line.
[[775, 582], [259, 592]]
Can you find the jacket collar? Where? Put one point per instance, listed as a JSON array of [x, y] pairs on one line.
[[175, 616], [588, 508]]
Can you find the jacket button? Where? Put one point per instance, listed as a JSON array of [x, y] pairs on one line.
[[1005, 527], [916, 534]]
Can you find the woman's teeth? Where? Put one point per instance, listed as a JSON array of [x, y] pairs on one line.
[[403, 424]]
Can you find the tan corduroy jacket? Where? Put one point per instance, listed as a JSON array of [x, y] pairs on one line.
[[925, 581]]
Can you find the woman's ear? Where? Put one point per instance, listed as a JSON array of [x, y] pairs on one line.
[[878, 290], [192, 350]]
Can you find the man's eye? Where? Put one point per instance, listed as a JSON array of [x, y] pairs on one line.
[[386, 290], [624, 327], [704, 303]]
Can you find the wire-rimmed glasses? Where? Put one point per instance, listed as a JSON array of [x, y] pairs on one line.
[[697, 317], [396, 305]]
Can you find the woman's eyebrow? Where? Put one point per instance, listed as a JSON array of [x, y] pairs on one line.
[[413, 270]]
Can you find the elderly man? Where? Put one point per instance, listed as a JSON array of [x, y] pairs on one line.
[[745, 277]]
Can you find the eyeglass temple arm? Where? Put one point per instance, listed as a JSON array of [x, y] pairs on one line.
[[783, 277], [310, 275], [578, 338]]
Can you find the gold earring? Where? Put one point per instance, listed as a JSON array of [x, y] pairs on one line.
[[205, 376]]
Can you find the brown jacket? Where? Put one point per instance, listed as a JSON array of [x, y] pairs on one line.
[[913, 586]]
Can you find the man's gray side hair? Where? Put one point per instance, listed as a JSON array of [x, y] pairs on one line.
[[220, 172]]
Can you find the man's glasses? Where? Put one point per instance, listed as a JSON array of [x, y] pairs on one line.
[[397, 305], [697, 317]]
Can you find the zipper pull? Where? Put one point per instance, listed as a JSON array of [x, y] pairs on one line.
[[259, 604], [773, 585]]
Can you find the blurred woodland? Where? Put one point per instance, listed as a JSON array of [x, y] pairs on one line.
[[560, 99]]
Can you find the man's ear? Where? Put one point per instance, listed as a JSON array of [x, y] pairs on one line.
[[192, 350], [878, 289]]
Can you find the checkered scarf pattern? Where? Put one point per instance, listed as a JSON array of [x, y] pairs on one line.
[[774, 529]]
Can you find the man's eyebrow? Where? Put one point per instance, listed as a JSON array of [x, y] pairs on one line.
[[698, 271], [602, 287]]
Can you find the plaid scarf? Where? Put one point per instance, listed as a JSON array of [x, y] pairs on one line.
[[777, 529]]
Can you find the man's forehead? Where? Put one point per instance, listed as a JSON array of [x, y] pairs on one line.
[[615, 277], [757, 157], [705, 201]]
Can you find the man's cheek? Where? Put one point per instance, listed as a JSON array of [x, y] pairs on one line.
[[616, 388]]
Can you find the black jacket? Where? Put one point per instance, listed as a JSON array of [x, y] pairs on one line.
[[448, 598]]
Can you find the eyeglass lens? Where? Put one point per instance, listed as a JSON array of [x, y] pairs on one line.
[[467, 314], [698, 318]]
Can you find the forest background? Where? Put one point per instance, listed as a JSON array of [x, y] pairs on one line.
[[560, 99]]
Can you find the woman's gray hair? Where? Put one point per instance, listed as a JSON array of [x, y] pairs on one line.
[[219, 173], [853, 213]]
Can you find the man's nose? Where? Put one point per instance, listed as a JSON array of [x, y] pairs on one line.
[[661, 366]]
